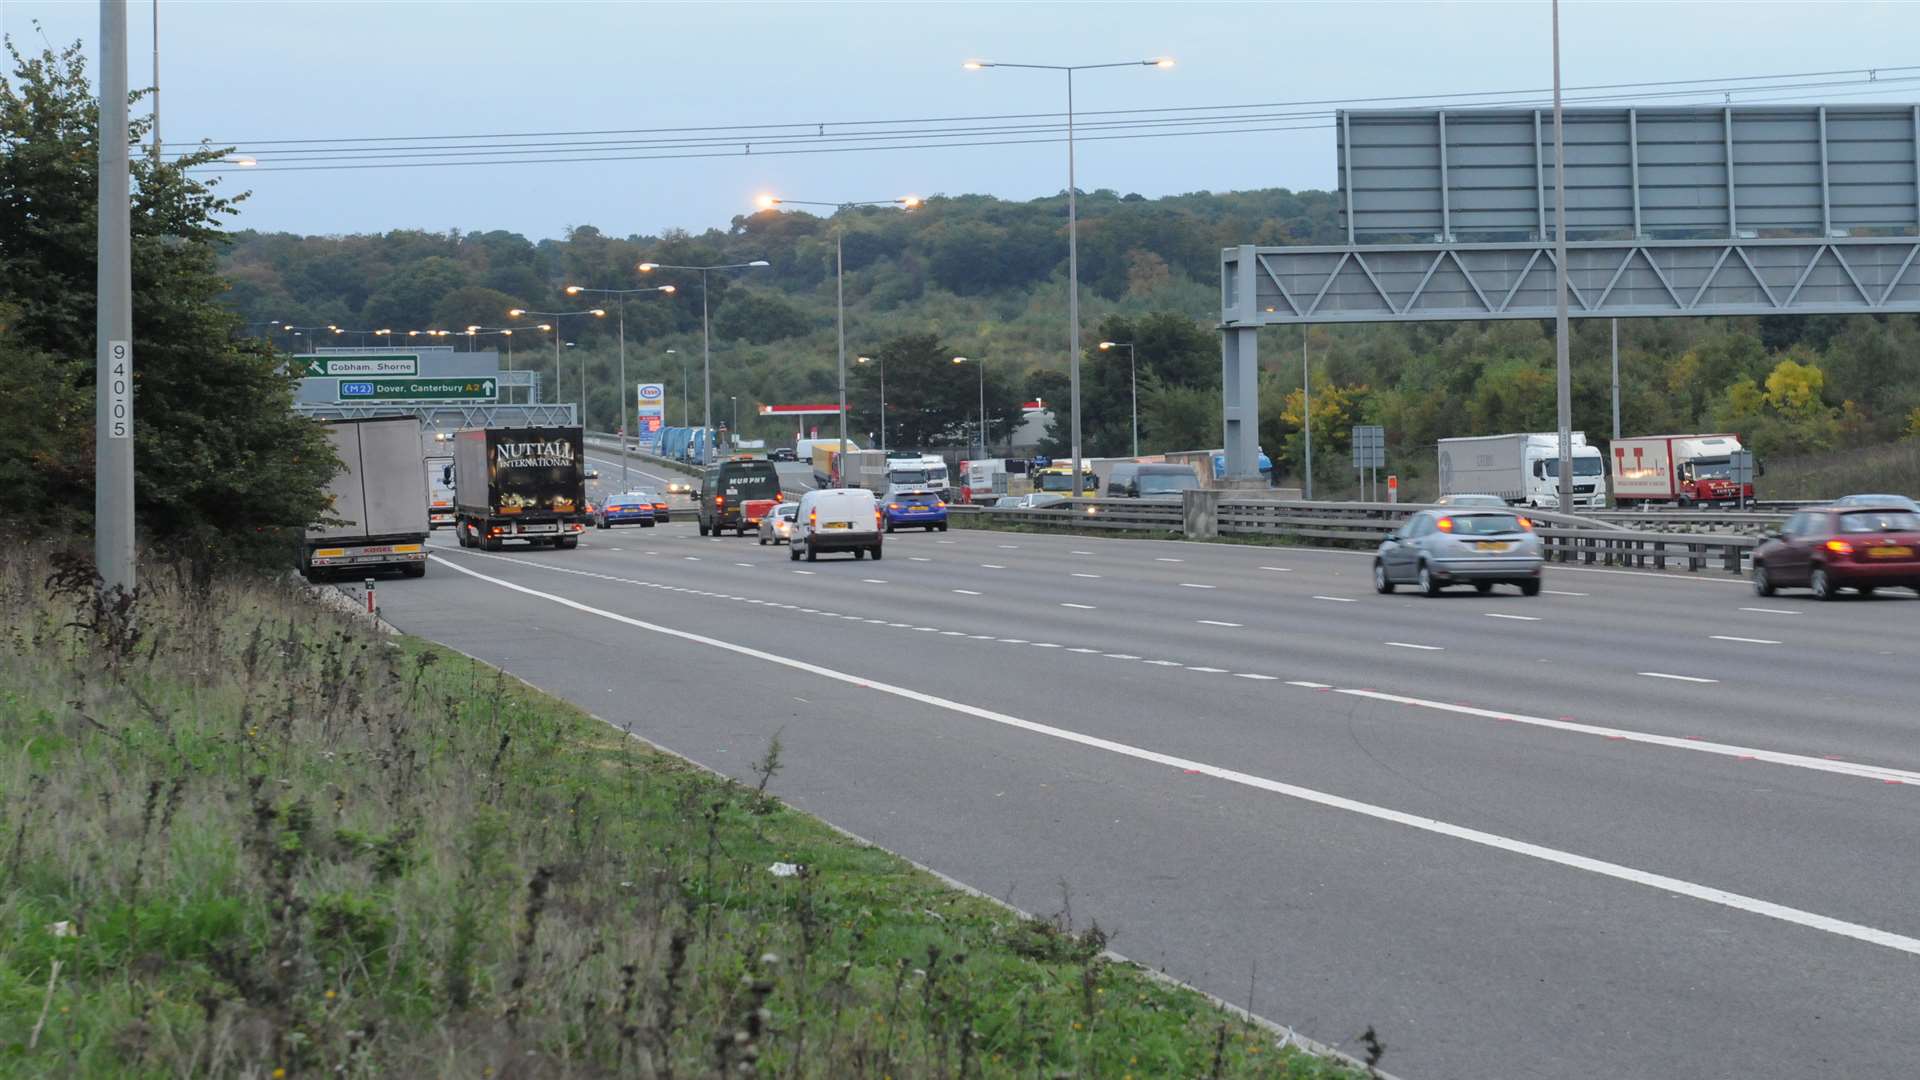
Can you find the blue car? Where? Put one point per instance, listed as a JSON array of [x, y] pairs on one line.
[[633, 508], [910, 508]]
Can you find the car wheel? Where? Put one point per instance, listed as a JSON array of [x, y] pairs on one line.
[[1864, 590], [1381, 582], [1821, 584], [703, 528], [1483, 587], [1426, 581], [763, 541], [1530, 587], [943, 526], [859, 553], [876, 553], [889, 526], [793, 554], [812, 555], [1762, 581]]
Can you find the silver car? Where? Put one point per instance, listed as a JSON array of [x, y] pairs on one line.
[[777, 527], [1493, 501], [1482, 548]]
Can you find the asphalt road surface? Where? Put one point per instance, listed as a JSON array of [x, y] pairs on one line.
[[1640, 826]]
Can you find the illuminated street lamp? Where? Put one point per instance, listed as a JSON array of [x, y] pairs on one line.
[[598, 313], [621, 295], [1133, 376], [983, 401]]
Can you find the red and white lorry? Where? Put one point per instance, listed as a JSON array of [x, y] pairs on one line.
[[1685, 470]]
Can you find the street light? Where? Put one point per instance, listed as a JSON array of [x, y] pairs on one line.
[[1133, 377], [905, 202], [598, 313], [1073, 233], [983, 401], [706, 340], [621, 294], [882, 364]]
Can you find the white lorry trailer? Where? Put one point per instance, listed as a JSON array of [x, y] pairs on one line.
[[1522, 468], [379, 501]]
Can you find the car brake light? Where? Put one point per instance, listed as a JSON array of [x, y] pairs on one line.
[[1445, 525], [1526, 523], [719, 500], [659, 506], [813, 518], [1839, 547], [893, 506], [939, 505]]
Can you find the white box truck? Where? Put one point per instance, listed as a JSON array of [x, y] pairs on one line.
[[380, 501], [1686, 470], [1522, 468]]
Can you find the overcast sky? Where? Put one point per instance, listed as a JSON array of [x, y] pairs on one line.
[[240, 72]]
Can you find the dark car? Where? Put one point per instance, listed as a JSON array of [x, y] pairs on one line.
[[632, 508], [735, 494], [1896, 502], [782, 454], [1841, 547]]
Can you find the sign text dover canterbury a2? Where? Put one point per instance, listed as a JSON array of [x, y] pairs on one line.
[[416, 390]]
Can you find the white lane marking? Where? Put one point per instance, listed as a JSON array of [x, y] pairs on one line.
[[874, 580], [1561, 592], [1045, 645], [691, 558], [1279, 569], [1309, 685], [1007, 547], [1083, 649], [1617, 871], [1079, 607], [943, 541], [1252, 675], [921, 558], [1080, 553], [803, 571], [1163, 558], [1743, 640], [1193, 585], [875, 622], [1163, 663], [1119, 656], [1087, 575], [991, 566], [1217, 622], [743, 564], [1671, 742], [1771, 610], [1675, 678], [1338, 599], [927, 629], [1411, 645], [1208, 670], [1516, 618], [953, 633], [966, 592], [979, 637]]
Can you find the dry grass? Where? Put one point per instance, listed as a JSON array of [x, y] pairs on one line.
[[1888, 468], [286, 845]]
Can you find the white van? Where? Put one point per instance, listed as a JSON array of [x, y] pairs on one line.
[[835, 519]]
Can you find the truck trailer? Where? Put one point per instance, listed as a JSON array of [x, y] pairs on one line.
[[1685, 470], [1523, 469], [378, 501], [519, 484]]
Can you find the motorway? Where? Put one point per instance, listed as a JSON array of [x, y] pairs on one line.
[[1645, 825]]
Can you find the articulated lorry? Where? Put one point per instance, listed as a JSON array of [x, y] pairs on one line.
[[1523, 469], [519, 484], [379, 501], [436, 449], [1685, 470]]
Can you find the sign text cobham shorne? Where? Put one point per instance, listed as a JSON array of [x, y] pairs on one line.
[[556, 453]]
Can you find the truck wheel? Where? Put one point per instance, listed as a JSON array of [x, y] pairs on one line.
[[703, 528], [417, 569], [491, 543], [566, 543]]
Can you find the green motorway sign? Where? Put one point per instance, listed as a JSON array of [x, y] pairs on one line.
[[391, 389], [318, 367]]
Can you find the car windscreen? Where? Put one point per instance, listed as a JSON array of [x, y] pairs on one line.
[[906, 477], [642, 496], [1064, 482], [914, 498], [1164, 483], [1582, 466], [1482, 524], [786, 510], [1879, 521], [749, 479]]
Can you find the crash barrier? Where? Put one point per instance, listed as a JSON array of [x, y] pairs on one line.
[[1204, 514]]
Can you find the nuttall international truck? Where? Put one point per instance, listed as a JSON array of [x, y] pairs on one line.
[[525, 483], [377, 504]]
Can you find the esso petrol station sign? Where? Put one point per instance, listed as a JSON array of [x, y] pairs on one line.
[[650, 410]]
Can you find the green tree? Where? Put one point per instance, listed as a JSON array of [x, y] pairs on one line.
[[223, 466], [931, 401], [760, 317]]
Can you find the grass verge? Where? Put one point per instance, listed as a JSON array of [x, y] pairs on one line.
[[245, 835]]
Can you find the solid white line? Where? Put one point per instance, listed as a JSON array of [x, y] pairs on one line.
[[1217, 622], [1516, 618], [1411, 645], [1675, 678], [1774, 757], [966, 592], [1191, 585], [1080, 607], [1561, 592], [1338, 599], [1087, 575], [1743, 640], [1600, 867], [1771, 610]]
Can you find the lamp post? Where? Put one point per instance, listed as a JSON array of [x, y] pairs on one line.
[[1133, 377], [620, 296], [706, 341], [556, 316], [983, 401], [1073, 233], [883, 395], [686, 417], [907, 202]]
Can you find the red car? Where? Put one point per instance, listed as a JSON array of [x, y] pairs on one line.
[[1839, 547]]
